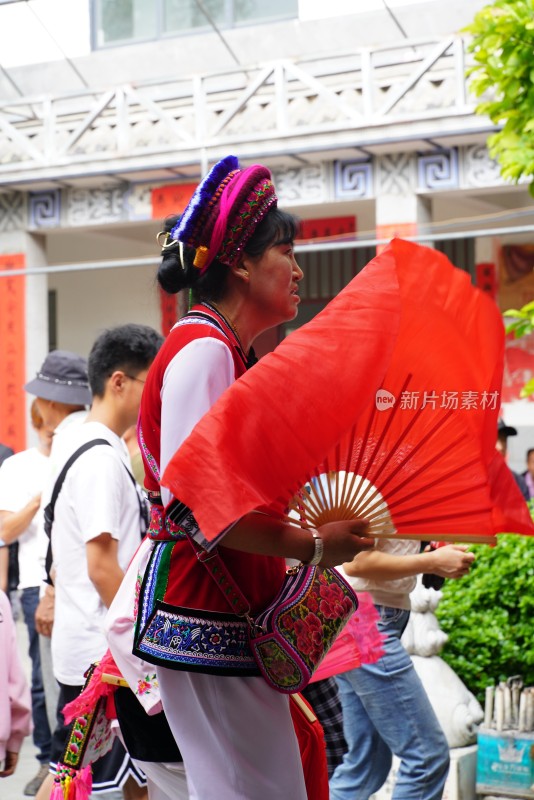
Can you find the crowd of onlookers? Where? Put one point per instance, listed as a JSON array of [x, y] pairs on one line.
[[90, 409]]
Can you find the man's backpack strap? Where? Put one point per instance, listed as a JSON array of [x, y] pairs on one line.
[[49, 511]]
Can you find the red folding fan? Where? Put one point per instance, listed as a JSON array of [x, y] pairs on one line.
[[384, 407]]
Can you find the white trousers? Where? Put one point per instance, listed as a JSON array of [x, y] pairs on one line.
[[235, 735], [164, 781]]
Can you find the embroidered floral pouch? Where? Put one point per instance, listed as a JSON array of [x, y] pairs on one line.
[[292, 636]]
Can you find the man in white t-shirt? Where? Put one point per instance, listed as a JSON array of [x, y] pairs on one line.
[[98, 525], [61, 389]]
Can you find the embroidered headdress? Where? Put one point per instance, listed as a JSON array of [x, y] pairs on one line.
[[224, 212]]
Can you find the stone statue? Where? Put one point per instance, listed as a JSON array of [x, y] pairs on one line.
[[456, 708]]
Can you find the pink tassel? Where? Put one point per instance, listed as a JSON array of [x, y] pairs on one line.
[[63, 783], [57, 791], [86, 701], [82, 784]]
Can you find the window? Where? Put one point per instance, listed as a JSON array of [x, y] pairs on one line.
[[121, 21]]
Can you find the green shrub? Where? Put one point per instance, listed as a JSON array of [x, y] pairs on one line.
[[489, 615]]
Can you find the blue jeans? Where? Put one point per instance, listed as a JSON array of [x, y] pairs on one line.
[[42, 737], [386, 710]]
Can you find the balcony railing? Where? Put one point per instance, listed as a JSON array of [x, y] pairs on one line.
[[344, 100]]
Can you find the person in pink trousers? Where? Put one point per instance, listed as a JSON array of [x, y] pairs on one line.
[[15, 700]]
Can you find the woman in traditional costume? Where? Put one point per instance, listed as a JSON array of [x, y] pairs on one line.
[[234, 249]]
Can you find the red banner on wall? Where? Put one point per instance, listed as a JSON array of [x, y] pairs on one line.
[[167, 200], [486, 278], [168, 304], [327, 227], [12, 353]]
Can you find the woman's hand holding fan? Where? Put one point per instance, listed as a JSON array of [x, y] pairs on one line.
[[342, 537]]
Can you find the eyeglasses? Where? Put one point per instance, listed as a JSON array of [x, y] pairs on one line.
[[134, 378]]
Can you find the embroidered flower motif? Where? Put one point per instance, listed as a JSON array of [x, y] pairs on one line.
[[334, 604], [309, 632], [313, 602], [215, 638], [277, 666], [287, 621], [270, 650], [282, 669], [145, 686]]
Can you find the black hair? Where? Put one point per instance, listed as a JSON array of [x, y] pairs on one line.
[[176, 273], [529, 452], [130, 348]]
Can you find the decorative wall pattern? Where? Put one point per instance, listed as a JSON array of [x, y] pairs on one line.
[[395, 174], [44, 209], [138, 202], [478, 168], [438, 170], [12, 211], [398, 174], [353, 180], [95, 206], [299, 185]]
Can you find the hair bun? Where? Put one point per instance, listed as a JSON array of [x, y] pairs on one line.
[[170, 273]]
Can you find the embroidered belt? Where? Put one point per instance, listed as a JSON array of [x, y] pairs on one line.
[[161, 528], [177, 522], [184, 638], [197, 641]]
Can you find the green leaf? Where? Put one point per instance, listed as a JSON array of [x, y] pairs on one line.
[[514, 312], [528, 389]]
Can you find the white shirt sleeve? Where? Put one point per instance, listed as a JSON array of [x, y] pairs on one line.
[[194, 379]]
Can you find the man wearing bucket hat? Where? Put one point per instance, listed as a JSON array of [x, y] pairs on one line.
[[61, 387], [61, 390]]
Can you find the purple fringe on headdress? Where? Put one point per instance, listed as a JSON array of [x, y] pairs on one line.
[[184, 229]]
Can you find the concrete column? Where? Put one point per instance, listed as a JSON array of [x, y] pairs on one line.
[[401, 216]]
